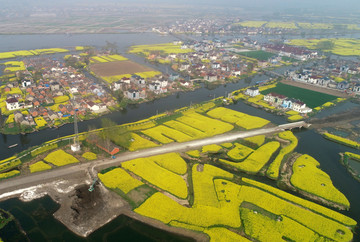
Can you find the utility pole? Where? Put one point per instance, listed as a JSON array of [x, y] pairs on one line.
[[75, 147]]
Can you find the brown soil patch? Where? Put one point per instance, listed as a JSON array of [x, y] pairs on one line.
[[315, 88], [118, 68]]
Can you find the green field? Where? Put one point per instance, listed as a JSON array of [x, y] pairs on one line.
[[258, 54], [311, 98]]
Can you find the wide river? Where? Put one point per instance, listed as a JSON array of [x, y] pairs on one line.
[[35, 217]]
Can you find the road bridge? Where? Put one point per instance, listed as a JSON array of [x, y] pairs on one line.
[[80, 169]]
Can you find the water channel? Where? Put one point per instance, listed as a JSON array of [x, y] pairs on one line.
[[326, 152]]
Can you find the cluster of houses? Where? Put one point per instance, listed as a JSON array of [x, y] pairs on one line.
[[137, 87], [280, 101], [338, 77], [209, 61], [60, 93]]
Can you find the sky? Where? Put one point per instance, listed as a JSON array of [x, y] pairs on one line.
[[332, 6]]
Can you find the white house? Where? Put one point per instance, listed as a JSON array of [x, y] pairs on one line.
[[93, 106], [133, 94], [163, 83], [74, 90], [154, 86], [300, 107], [12, 104], [252, 91], [26, 82], [211, 77]]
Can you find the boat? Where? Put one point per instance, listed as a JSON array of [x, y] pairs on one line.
[[12, 146]]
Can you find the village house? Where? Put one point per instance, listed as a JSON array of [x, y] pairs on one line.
[[274, 98], [252, 91], [211, 77], [12, 104], [26, 82], [356, 88], [132, 94], [154, 86]]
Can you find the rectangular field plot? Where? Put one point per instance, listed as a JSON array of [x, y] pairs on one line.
[[118, 68]]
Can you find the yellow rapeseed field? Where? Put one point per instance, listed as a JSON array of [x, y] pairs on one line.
[[283, 25], [257, 140], [205, 107], [351, 155], [227, 145], [239, 152], [273, 170], [167, 48], [203, 185], [263, 228], [207, 125], [308, 177], [252, 24], [186, 129], [166, 135], [40, 122], [164, 209], [296, 117], [220, 234], [211, 148], [13, 66], [158, 176], [60, 158], [39, 166], [7, 159], [342, 140], [61, 99], [9, 174], [139, 142], [119, 179], [170, 161], [194, 153], [89, 156], [257, 159], [302, 202], [314, 221], [240, 119]]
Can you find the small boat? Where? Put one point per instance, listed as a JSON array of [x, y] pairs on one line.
[[12, 146]]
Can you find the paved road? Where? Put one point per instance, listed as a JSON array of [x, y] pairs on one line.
[[83, 168]]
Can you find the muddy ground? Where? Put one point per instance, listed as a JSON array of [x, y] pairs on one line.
[[83, 211]]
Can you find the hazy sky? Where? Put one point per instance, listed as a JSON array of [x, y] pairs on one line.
[[329, 7], [276, 4]]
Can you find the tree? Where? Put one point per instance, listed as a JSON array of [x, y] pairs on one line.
[[112, 47], [120, 135], [325, 45]]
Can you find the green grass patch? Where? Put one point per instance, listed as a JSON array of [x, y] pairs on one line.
[[258, 54]]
